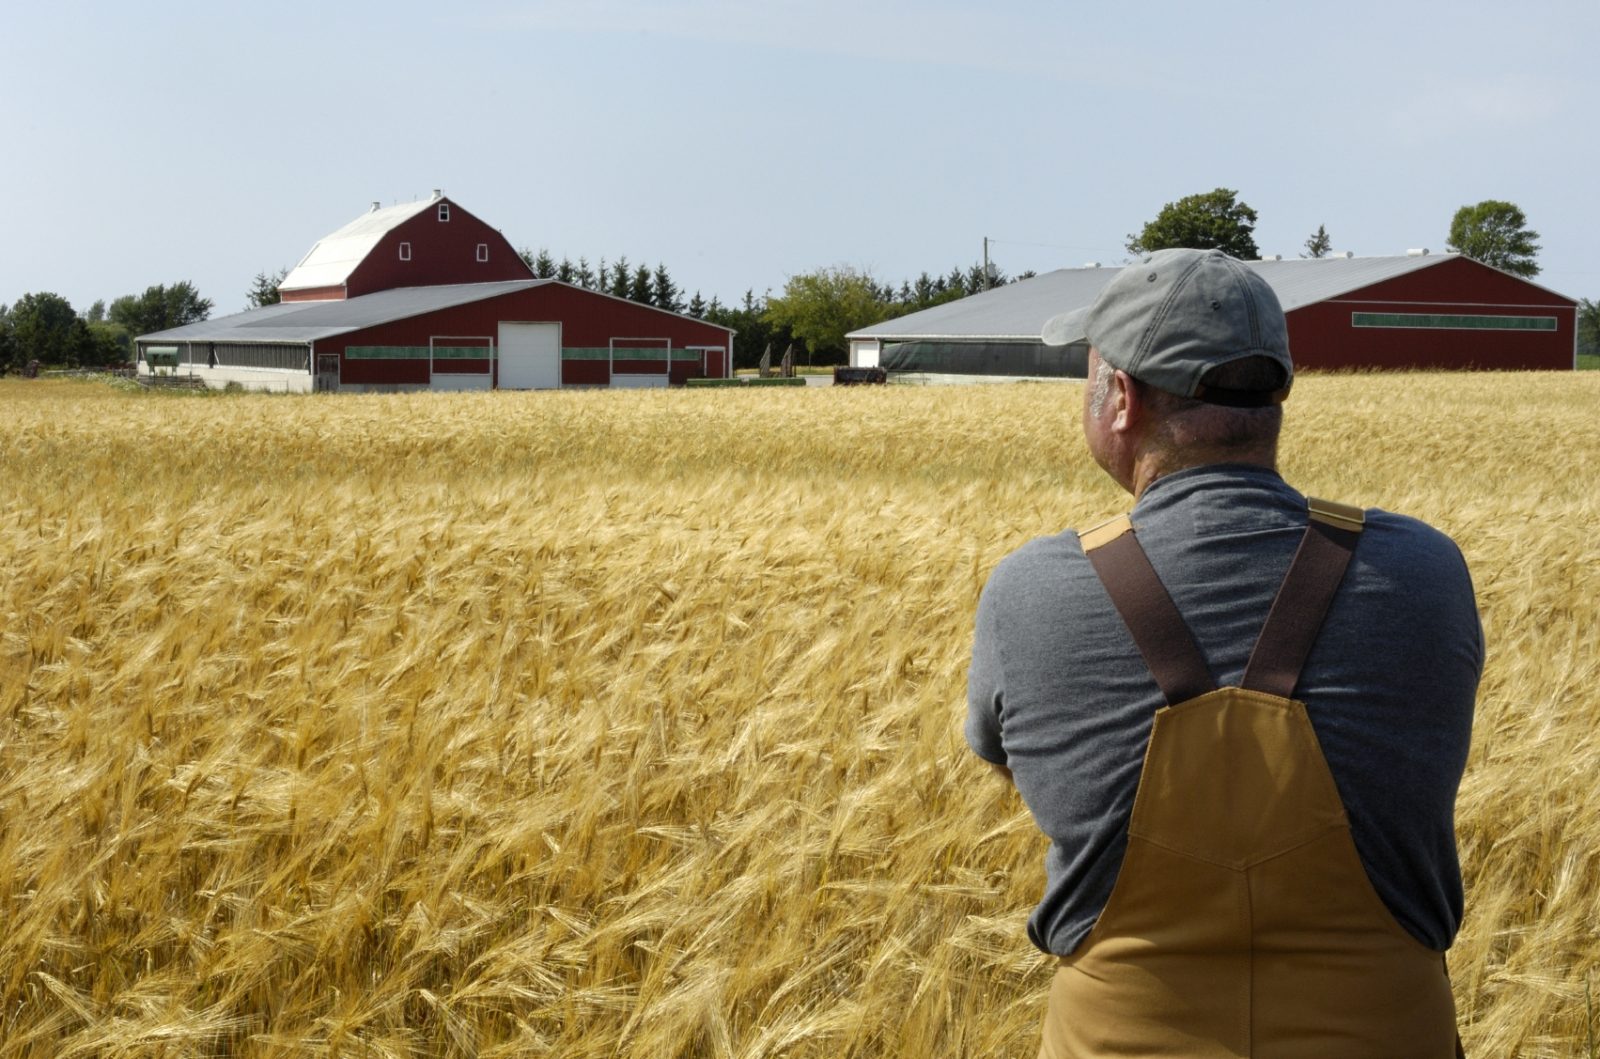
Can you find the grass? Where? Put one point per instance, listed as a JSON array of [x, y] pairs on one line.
[[1589, 361], [627, 723]]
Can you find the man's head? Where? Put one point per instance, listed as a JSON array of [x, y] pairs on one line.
[[1189, 361]]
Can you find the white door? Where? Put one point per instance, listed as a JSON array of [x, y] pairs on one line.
[[530, 356]]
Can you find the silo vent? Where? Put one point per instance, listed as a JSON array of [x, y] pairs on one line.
[[1420, 251], [437, 193], [375, 205]]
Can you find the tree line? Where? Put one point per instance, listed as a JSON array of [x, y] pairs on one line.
[[815, 310], [44, 327]]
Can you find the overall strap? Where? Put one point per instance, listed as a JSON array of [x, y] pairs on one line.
[[1303, 599], [1152, 618]]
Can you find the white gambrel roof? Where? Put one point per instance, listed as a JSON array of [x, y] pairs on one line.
[[330, 262], [1020, 310]]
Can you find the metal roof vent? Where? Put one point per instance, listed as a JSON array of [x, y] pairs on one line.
[[1271, 257], [1421, 251], [375, 205], [1091, 264], [437, 193], [1344, 253]]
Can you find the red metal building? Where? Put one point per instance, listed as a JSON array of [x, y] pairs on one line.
[[1416, 311]]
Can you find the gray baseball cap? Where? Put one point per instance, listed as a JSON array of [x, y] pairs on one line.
[[1177, 314]]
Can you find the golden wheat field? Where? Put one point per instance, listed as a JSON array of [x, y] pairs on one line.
[[594, 724]]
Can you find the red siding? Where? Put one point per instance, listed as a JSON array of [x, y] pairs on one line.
[[315, 294], [441, 252], [1322, 336], [588, 320]]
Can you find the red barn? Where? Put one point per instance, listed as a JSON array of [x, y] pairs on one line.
[[1418, 311], [426, 296], [415, 244]]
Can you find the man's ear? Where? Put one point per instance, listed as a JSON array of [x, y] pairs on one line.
[[1127, 402]]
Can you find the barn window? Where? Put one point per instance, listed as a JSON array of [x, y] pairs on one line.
[[1439, 321], [483, 251], [405, 251], [444, 211]]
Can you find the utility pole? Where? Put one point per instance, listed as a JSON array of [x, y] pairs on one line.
[[986, 262]]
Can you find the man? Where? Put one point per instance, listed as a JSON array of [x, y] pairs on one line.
[[1267, 869]]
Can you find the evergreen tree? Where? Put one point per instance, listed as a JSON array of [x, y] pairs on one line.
[[584, 277], [602, 279], [663, 292], [697, 306], [640, 287], [544, 266], [264, 289], [565, 272], [621, 277], [1319, 245]]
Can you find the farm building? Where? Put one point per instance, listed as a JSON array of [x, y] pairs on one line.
[[425, 296], [1419, 310]]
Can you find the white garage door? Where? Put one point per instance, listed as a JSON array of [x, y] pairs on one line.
[[530, 356]]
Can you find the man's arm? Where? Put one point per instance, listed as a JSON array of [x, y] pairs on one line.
[[986, 688]]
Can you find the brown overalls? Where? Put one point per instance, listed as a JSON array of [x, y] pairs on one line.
[[1242, 922]]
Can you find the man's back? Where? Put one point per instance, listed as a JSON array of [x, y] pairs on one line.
[[1059, 694]]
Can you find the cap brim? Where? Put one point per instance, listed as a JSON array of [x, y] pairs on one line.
[[1066, 328]]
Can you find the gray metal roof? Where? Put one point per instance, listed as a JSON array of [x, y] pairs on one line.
[[1019, 310], [310, 321]]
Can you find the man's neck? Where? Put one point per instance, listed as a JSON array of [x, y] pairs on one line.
[[1153, 465]]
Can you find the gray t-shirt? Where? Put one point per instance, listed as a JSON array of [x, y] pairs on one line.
[[1058, 693]]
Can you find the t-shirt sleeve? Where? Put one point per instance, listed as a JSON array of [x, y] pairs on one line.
[[985, 684]]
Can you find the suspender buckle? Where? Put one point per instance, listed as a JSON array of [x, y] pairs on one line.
[[1341, 516], [1099, 536]]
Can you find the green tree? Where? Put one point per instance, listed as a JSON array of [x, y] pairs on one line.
[[584, 277], [1497, 234], [8, 343], [1215, 220], [753, 332], [566, 272], [664, 292], [639, 286], [697, 306], [621, 276], [159, 308], [97, 312], [107, 345], [544, 266], [43, 327], [1588, 327], [823, 306], [1319, 245], [264, 289]]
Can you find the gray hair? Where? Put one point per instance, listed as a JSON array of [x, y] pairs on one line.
[[1101, 388]]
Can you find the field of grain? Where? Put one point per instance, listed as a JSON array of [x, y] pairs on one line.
[[627, 723]]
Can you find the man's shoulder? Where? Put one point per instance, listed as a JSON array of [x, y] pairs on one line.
[[1043, 567], [1405, 537]]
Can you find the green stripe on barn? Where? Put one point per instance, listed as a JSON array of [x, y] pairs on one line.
[[482, 353], [1454, 323]]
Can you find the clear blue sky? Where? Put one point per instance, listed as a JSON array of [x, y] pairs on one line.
[[741, 141]]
